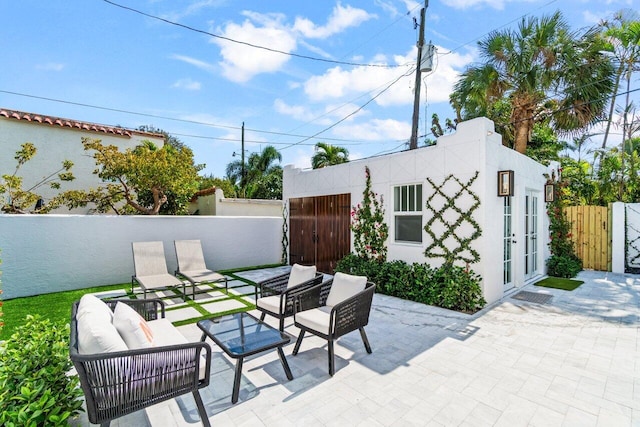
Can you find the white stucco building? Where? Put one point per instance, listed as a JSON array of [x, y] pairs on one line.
[[416, 184], [57, 139]]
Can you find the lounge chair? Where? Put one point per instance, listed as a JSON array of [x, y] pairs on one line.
[[335, 308], [151, 268], [277, 295], [192, 267]]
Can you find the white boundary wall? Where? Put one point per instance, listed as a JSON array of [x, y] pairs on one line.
[[49, 253]]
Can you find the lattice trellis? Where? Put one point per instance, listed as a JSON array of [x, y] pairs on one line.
[[632, 237], [285, 232], [452, 229]]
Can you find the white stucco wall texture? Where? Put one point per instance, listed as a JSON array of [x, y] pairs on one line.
[[49, 253], [474, 147]]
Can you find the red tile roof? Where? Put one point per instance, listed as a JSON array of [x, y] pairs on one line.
[[75, 124]]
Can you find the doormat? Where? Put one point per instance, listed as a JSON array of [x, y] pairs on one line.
[[532, 297]]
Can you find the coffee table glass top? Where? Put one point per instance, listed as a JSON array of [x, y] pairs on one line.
[[241, 334]]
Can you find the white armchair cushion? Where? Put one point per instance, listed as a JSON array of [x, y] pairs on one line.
[[300, 274], [91, 304], [316, 319], [97, 336], [270, 303], [345, 286], [133, 329]]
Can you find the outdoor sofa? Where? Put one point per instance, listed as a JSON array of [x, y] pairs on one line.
[[119, 373]]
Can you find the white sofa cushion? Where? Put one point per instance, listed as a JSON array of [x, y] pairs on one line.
[[316, 319], [133, 329], [300, 274], [345, 286], [89, 303], [270, 303], [167, 334], [95, 335]]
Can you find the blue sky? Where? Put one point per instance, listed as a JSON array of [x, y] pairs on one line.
[[138, 70]]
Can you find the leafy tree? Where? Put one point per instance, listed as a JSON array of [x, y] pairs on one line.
[[544, 145], [259, 177], [225, 185], [329, 155], [623, 35], [19, 200], [542, 71], [168, 138], [144, 178]]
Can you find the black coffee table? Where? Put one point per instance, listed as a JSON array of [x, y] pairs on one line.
[[240, 335]]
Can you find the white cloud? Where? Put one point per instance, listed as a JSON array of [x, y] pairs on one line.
[[375, 130], [340, 19], [192, 9], [195, 62], [325, 116], [338, 83], [187, 84], [239, 62], [51, 66]]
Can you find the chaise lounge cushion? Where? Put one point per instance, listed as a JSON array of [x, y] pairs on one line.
[[133, 329], [344, 287], [300, 274]]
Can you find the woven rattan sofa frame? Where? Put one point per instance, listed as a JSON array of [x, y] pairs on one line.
[[345, 317], [278, 286], [112, 385]]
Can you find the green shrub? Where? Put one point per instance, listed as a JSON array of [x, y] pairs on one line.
[[449, 286], [35, 388], [459, 289], [566, 266]]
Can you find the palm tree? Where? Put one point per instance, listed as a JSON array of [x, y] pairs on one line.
[[258, 177], [328, 155], [624, 36], [544, 72]]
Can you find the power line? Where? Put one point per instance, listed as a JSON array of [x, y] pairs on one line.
[[352, 113], [155, 116], [217, 36]]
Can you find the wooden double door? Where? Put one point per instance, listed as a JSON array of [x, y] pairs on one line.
[[319, 230]]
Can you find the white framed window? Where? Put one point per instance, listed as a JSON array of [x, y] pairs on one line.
[[407, 212]]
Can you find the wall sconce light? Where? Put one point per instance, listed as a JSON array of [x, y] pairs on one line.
[[505, 183], [549, 193]]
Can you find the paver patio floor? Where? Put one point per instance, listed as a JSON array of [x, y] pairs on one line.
[[573, 361]]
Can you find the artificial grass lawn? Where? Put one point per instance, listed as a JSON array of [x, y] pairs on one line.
[[57, 306], [560, 283]]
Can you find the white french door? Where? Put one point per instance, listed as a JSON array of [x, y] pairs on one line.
[[531, 235], [507, 238]]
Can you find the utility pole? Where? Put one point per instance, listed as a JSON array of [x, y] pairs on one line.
[[413, 142], [242, 170]]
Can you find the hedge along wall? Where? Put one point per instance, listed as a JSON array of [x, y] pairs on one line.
[[51, 253]]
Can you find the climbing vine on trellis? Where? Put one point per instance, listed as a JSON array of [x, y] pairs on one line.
[[442, 229], [285, 232]]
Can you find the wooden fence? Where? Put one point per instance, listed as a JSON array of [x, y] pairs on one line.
[[591, 235]]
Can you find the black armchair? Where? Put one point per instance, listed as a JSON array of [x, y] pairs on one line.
[[348, 310], [277, 295]]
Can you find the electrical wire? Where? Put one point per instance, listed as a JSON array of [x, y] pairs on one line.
[[353, 112], [269, 49]]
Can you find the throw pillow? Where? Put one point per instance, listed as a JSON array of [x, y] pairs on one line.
[[97, 336], [345, 286], [91, 304], [133, 329]]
